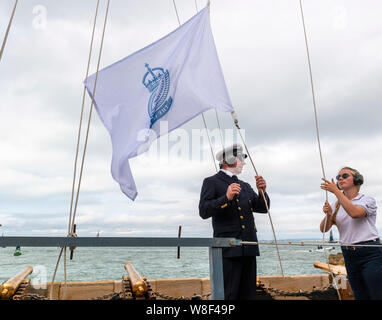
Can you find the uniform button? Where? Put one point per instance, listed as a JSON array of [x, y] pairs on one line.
[[241, 217], [237, 200], [243, 226], [254, 228], [238, 208]]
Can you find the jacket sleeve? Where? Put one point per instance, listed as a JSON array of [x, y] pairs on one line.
[[210, 203], [258, 201]]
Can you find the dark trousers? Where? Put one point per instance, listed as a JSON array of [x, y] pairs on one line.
[[239, 278], [364, 269]]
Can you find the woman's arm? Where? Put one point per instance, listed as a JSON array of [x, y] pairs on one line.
[[329, 221], [351, 209]]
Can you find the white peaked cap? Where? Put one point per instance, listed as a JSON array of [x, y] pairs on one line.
[[234, 150]]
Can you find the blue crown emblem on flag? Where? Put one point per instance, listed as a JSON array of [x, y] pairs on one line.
[[157, 81]]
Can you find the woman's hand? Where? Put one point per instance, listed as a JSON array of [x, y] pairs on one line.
[[330, 186], [327, 209], [327, 222]]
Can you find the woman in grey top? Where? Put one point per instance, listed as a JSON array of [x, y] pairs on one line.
[[354, 214]]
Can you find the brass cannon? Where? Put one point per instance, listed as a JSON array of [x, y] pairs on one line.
[[138, 284], [9, 288]]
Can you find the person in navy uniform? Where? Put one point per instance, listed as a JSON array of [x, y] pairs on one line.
[[230, 203]]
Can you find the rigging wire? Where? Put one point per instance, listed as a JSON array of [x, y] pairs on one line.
[[209, 140], [316, 124], [8, 28], [71, 219], [176, 11], [220, 129], [216, 112], [65, 279], [70, 225], [81, 119], [90, 113], [196, 6], [54, 274]]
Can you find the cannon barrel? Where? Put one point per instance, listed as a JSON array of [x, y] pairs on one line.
[[138, 284], [8, 288]]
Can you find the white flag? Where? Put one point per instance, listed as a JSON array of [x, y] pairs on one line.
[[173, 79]]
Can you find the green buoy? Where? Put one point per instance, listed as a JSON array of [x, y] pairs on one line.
[[17, 251]]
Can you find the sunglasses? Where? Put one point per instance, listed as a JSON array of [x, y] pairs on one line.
[[241, 157], [343, 176]]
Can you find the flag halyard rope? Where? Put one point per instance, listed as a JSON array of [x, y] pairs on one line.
[[203, 117], [317, 129], [7, 31], [236, 122], [222, 141]]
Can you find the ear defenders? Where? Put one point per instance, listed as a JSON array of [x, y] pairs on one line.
[[357, 179], [230, 158]]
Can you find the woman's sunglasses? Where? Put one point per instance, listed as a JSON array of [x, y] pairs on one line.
[[343, 176]]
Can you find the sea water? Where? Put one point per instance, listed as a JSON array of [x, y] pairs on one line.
[[92, 264]]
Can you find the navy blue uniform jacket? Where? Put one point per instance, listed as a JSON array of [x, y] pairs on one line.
[[231, 219]]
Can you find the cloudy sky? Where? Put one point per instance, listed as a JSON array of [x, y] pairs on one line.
[[262, 52]]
